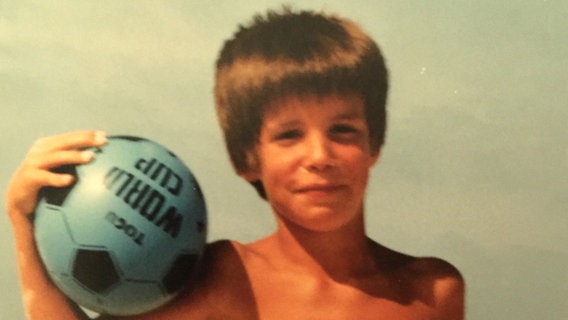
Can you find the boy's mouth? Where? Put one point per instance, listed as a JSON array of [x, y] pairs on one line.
[[320, 189]]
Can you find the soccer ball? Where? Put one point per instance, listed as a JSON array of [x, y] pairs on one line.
[[128, 234]]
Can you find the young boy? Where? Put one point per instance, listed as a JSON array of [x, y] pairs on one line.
[[301, 101]]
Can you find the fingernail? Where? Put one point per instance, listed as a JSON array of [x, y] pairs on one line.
[[66, 179], [87, 156], [100, 137]]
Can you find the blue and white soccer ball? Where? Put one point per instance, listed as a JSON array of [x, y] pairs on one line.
[[128, 234]]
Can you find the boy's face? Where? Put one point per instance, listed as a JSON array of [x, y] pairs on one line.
[[314, 159]]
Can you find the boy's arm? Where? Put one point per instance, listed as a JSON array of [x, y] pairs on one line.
[[42, 300], [451, 294], [445, 286]]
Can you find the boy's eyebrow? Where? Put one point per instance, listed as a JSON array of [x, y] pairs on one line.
[[350, 115], [285, 124], [347, 115]]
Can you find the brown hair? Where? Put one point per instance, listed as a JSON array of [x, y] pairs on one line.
[[286, 53]]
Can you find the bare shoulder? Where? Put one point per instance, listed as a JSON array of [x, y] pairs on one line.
[[437, 276], [430, 280], [435, 269], [441, 284], [223, 284], [418, 268], [221, 289]]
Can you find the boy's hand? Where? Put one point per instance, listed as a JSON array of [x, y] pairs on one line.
[[44, 155]]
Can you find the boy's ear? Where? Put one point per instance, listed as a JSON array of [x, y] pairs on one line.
[[251, 175], [375, 155]]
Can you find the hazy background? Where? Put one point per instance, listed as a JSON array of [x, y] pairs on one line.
[[475, 168]]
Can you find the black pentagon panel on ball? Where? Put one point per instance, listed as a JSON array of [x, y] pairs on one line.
[[180, 272], [56, 196], [95, 269]]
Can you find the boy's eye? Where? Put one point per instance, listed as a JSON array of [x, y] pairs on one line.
[[345, 133], [343, 129], [288, 135]]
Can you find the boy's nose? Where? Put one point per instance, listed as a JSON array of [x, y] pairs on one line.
[[319, 153]]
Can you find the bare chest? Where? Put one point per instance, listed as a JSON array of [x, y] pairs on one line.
[[285, 297]]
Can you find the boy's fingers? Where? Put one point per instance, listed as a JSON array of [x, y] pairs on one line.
[[46, 154], [46, 178], [83, 139], [60, 180], [61, 158], [23, 189], [72, 140]]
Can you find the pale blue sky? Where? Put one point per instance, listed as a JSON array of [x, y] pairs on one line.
[[476, 164]]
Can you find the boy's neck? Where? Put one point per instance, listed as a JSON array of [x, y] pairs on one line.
[[341, 254]]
